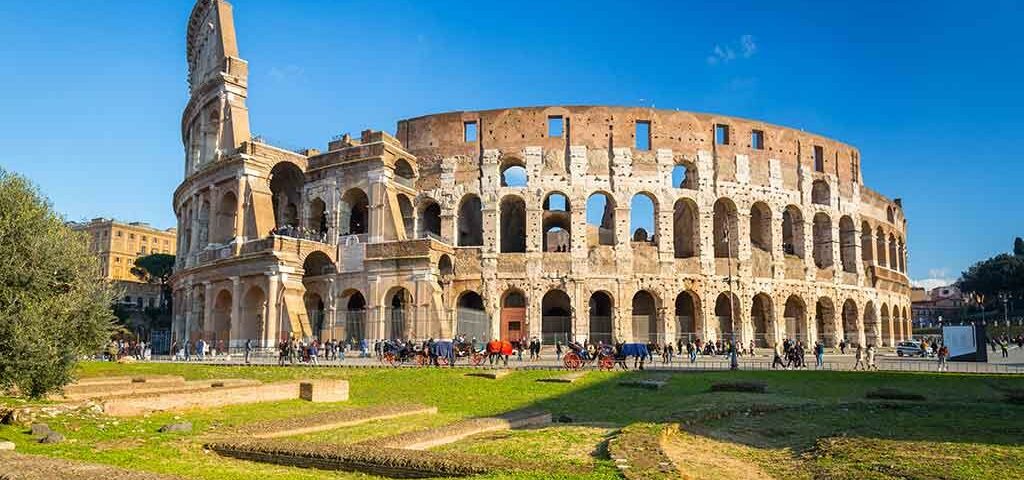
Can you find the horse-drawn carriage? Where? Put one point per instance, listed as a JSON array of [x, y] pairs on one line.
[[397, 353], [578, 357]]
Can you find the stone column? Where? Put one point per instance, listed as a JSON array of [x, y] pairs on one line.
[[376, 210], [207, 308], [235, 324], [271, 317]]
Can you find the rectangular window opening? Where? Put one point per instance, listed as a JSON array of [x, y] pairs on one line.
[[757, 140], [643, 135], [721, 134], [469, 131], [819, 159], [556, 126]]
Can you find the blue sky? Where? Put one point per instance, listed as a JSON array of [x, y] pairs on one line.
[[931, 92]]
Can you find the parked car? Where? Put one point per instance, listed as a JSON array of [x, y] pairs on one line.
[[909, 349]]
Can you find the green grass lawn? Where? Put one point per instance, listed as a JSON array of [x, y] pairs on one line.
[[809, 424]]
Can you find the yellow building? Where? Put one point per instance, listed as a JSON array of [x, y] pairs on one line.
[[118, 244]]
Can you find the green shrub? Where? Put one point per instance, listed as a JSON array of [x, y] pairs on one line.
[[894, 394]]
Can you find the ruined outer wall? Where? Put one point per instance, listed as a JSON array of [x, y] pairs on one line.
[[596, 154]]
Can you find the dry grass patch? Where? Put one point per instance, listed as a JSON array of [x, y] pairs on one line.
[[331, 420]]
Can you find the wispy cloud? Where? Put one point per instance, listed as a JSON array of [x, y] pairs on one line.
[[287, 73], [937, 277], [746, 46]]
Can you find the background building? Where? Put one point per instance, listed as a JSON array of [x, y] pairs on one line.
[[585, 222], [946, 302]]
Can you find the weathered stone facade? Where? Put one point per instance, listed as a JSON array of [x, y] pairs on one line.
[[426, 233]]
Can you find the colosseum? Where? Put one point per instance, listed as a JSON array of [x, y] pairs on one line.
[[585, 222]]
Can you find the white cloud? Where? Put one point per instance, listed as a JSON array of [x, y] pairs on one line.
[[930, 283], [746, 46], [286, 74]]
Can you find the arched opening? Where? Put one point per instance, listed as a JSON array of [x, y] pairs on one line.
[[902, 255], [880, 247], [600, 219], [893, 255], [318, 263], [444, 266], [408, 215], [726, 313], [354, 215], [317, 219], [851, 332], [286, 181], [315, 314], [871, 327], [600, 318], [251, 322], [471, 319], [556, 224], [513, 224], [686, 234], [820, 193], [513, 316], [513, 173], [823, 241], [471, 233], [795, 316], [761, 227], [204, 224], [430, 220], [355, 319], [762, 320], [825, 321], [645, 318], [867, 250], [890, 214], [687, 313], [684, 176], [397, 325], [404, 171], [220, 324], [643, 214], [726, 229], [889, 334], [793, 231], [556, 317], [227, 213], [848, 244]]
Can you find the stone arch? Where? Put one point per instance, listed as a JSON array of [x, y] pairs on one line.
[[404, 170], [286, 183], [556, 317], [513, 315], [220, 324], [888, 326], [762, 319], [600, 214], [513, 172], [880, 248], [471, 318], [471, 222], [825, 321], [867, 250], [761, 227], [601, 317], [318, 263], [204, 223], [355, 317], [643, 218], [445, 266], [848, 244], [871, 327], [726, 313], [430, 219], [726, 229], [820, 193], [353, 219], [645, 317], [251, 323], [822, 240], [793, 231], [225, 218], [684, 175], [686, 229], [513, 224], [893, 254], [315, 313], [398, 319], [316, 220], [795, 315], [556, 223], [851, 331], [687, 315]]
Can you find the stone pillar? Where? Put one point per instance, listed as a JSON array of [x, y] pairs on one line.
[[271, 316], [377, 196], [235, 323], [207, 308]]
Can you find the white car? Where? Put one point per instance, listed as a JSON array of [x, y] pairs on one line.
[[909, 349]]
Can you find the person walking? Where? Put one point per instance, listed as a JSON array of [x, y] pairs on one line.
[[819, 355], [777, 357], [943, 355], [871, 358], [248, 351], [859, 356], [558, 350], [1005, 351], [691, 350]]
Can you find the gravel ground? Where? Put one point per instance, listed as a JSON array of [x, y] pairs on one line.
[[17, 466]]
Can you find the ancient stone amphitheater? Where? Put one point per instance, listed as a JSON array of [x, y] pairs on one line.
[[585, 222]]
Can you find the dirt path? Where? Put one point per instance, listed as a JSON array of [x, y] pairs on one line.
[[701, 458], [18, 466]]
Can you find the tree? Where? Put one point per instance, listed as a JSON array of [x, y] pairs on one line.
[[155, 268], [1001, 274], [1018, 247], [54, 305]]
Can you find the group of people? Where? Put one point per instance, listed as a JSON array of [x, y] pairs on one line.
[[197, 350], [300, 232], [120, 348], [292, 350], [1004, 341]]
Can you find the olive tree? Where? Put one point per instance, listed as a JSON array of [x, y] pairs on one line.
[[54, 305]]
